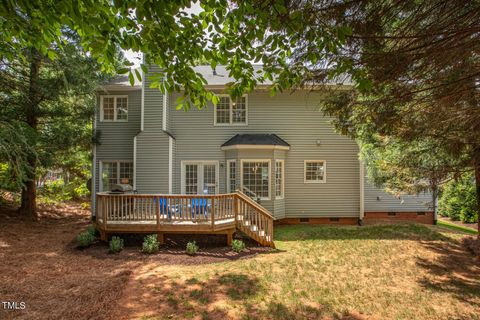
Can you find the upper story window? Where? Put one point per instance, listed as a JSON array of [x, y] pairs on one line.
[[113, 108], [231, 112], [315, 171]]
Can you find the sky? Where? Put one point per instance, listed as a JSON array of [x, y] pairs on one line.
[[136, 57]]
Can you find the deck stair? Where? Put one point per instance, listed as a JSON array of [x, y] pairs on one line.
[[254, 220]]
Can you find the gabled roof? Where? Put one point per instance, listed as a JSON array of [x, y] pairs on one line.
[[256, 140]]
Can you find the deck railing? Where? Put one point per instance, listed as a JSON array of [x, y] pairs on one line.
[[155, 209]]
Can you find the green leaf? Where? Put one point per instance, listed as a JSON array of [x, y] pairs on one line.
[[131, 78]]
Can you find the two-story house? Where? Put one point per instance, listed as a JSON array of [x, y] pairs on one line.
[[281, 150]]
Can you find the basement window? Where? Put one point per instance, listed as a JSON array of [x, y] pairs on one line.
[[392, 213], [304, 220], [420, 213]]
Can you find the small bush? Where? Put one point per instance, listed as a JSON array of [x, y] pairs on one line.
[[85, 239], [192, 248], [150, 244], [93, 231], [116, 244], [238, 245]]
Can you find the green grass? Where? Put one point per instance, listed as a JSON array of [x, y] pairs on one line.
[[456, 227], [385, 272]]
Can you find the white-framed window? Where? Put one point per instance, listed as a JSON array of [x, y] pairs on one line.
[[199, 177], [279, 179], [231, 112], [315, 171], [115, 172], [113, 108], [231, 175], [255, 176]]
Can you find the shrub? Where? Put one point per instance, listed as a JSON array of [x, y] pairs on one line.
[[150, 244], [85, 239], [238, 245], [116, 244], [93, 231], [192, 248], [458, 199]]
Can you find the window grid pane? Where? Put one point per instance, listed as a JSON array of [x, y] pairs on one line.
[[232, 169], [126, 173], [108, 108], [256, 177], [239, 111], [278, 179], [109, 175], [122, 108], [314, 171], [191, 178], [223, 110], [209, 179]]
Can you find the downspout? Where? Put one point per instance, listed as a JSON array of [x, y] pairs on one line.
[[362, 192], [94, 166]]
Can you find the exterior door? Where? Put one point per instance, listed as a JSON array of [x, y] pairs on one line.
[[199, 177]]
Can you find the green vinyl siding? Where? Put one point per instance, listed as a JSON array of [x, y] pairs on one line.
[[296, 119]]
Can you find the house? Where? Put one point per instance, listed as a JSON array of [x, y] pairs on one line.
[[281, 151]]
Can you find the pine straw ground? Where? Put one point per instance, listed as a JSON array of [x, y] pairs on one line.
[[374, 272]]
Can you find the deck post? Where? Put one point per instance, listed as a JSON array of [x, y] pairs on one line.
[[213, 212], [229, 238], [161, 238]]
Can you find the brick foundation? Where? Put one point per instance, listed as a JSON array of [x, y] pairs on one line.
[[332, 221], [379, 217]]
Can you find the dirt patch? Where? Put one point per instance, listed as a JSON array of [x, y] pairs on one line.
[[42, 267]]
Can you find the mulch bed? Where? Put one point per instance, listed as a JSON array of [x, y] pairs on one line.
[[41, 265]]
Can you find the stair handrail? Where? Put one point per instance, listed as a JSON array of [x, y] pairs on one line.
[[246, 198]]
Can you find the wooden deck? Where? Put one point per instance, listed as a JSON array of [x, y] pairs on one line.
[[204, 214]]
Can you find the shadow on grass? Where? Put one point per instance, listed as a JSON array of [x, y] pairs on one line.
[[214, 298], [455, 271], [374, 232]]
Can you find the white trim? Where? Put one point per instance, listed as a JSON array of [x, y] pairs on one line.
[[200, 164], [115, 97], [324, 180], [269, 161], [164, 115], [170, 165], [135, 163], [255, 146], [283, 179], [230, 113], [228, 174], [362, 189], [142, 104]]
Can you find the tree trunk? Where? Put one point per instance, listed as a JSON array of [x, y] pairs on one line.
[[434, 187], [477, 185], [28, 205]]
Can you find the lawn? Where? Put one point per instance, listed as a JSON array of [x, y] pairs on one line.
[[316, 272]]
